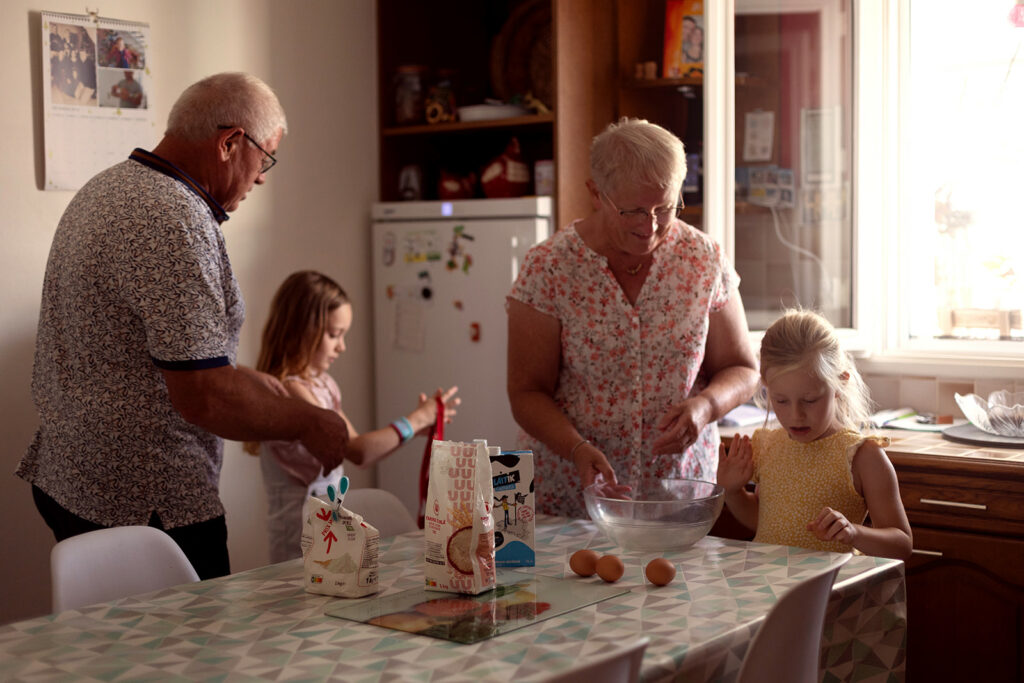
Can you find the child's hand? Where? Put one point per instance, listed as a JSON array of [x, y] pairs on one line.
[[831, 525], [425, 415], [735, 467]]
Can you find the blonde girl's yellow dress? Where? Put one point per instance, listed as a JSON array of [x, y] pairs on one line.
[[796, 480]]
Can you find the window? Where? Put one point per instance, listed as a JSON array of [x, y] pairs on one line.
[[879, 162], [927, 154], [794, 167], [962, 106]]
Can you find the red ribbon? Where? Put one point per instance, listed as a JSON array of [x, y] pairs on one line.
[[438, 433]]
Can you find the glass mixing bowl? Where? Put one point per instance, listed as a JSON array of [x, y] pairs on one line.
[[661, 515]]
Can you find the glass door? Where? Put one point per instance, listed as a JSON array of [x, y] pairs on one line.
[[794, 237]]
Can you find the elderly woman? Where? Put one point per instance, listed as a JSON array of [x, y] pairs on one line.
[[627, 336]]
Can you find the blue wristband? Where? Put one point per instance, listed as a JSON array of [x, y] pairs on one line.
[[404, 429]]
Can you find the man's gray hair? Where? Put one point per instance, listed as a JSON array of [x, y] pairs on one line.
[[227, 99]]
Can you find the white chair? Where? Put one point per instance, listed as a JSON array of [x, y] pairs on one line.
[[113, 563], [621, 665], [381, 509], [787, 647]]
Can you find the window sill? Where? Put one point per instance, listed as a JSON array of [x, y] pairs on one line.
[[944, 365]]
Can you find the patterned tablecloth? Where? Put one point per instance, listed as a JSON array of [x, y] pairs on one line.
[[262, 625]]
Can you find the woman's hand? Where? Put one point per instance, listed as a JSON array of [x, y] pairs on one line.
[[681, 425], [425, 415], [735, 467], [832, 525], [592, 466]]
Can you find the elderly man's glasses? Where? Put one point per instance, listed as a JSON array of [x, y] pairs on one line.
[[663, 216], [268, 161]]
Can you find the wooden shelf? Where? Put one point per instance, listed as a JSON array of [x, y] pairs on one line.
[[663, 83], [459, 126]]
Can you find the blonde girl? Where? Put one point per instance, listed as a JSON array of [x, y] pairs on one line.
[[817, 477], [305, 333]]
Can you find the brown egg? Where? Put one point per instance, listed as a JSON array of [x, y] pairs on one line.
[[584, 562], [660, 571], [610, 568]]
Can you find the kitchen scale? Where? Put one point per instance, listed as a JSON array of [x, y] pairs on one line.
[[519, 600]]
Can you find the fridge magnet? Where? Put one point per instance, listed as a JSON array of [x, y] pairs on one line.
[[455, 249], [474, 332], [426, 292], [684, 39], [422, 246]]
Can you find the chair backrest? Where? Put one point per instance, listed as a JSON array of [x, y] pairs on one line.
[[382, 509], [621, 665], [113, 563], [787, 647]]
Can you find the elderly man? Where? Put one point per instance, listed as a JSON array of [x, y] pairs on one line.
[[135, 378]]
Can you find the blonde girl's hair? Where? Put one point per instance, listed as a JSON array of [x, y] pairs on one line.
[[637, 152], [804, 340], [297, 321]]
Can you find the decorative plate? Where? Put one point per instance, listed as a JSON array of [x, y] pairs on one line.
[[521, 53]]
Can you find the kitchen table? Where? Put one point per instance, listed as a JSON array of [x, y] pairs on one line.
[[262, 625]]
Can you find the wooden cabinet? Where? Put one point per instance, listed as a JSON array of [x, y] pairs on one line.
[[593, 50], [559, 50], [965, 581], [674, 103]]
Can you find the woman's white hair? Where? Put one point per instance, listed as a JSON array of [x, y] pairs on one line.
[[637, 152], [227, 99]]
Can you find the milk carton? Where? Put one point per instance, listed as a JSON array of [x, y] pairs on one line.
[[512, 479]]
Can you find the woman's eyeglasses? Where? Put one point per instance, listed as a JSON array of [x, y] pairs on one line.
[[662, 216]]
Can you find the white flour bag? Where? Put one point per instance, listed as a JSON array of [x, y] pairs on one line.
[[458, 529], [339, 551]]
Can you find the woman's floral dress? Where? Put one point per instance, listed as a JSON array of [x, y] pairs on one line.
[[623, 366]]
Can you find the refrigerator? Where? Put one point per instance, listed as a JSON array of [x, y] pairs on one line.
[[441, 272]]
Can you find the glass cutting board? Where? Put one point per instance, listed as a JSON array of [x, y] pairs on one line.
[[519, 600]]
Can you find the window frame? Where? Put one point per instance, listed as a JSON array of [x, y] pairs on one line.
[[881, 65], [879, 337]]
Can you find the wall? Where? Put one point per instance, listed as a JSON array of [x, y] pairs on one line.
[[313, 212]]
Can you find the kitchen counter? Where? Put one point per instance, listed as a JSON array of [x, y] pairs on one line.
[[921, 448]]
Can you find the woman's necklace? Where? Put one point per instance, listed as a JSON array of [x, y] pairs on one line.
[[635, 269]]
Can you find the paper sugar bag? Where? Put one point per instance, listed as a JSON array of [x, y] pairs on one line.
[[458, 529], [339, 555]]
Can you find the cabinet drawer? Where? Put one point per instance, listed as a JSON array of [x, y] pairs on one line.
[[975, 504], [1001, 557]]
